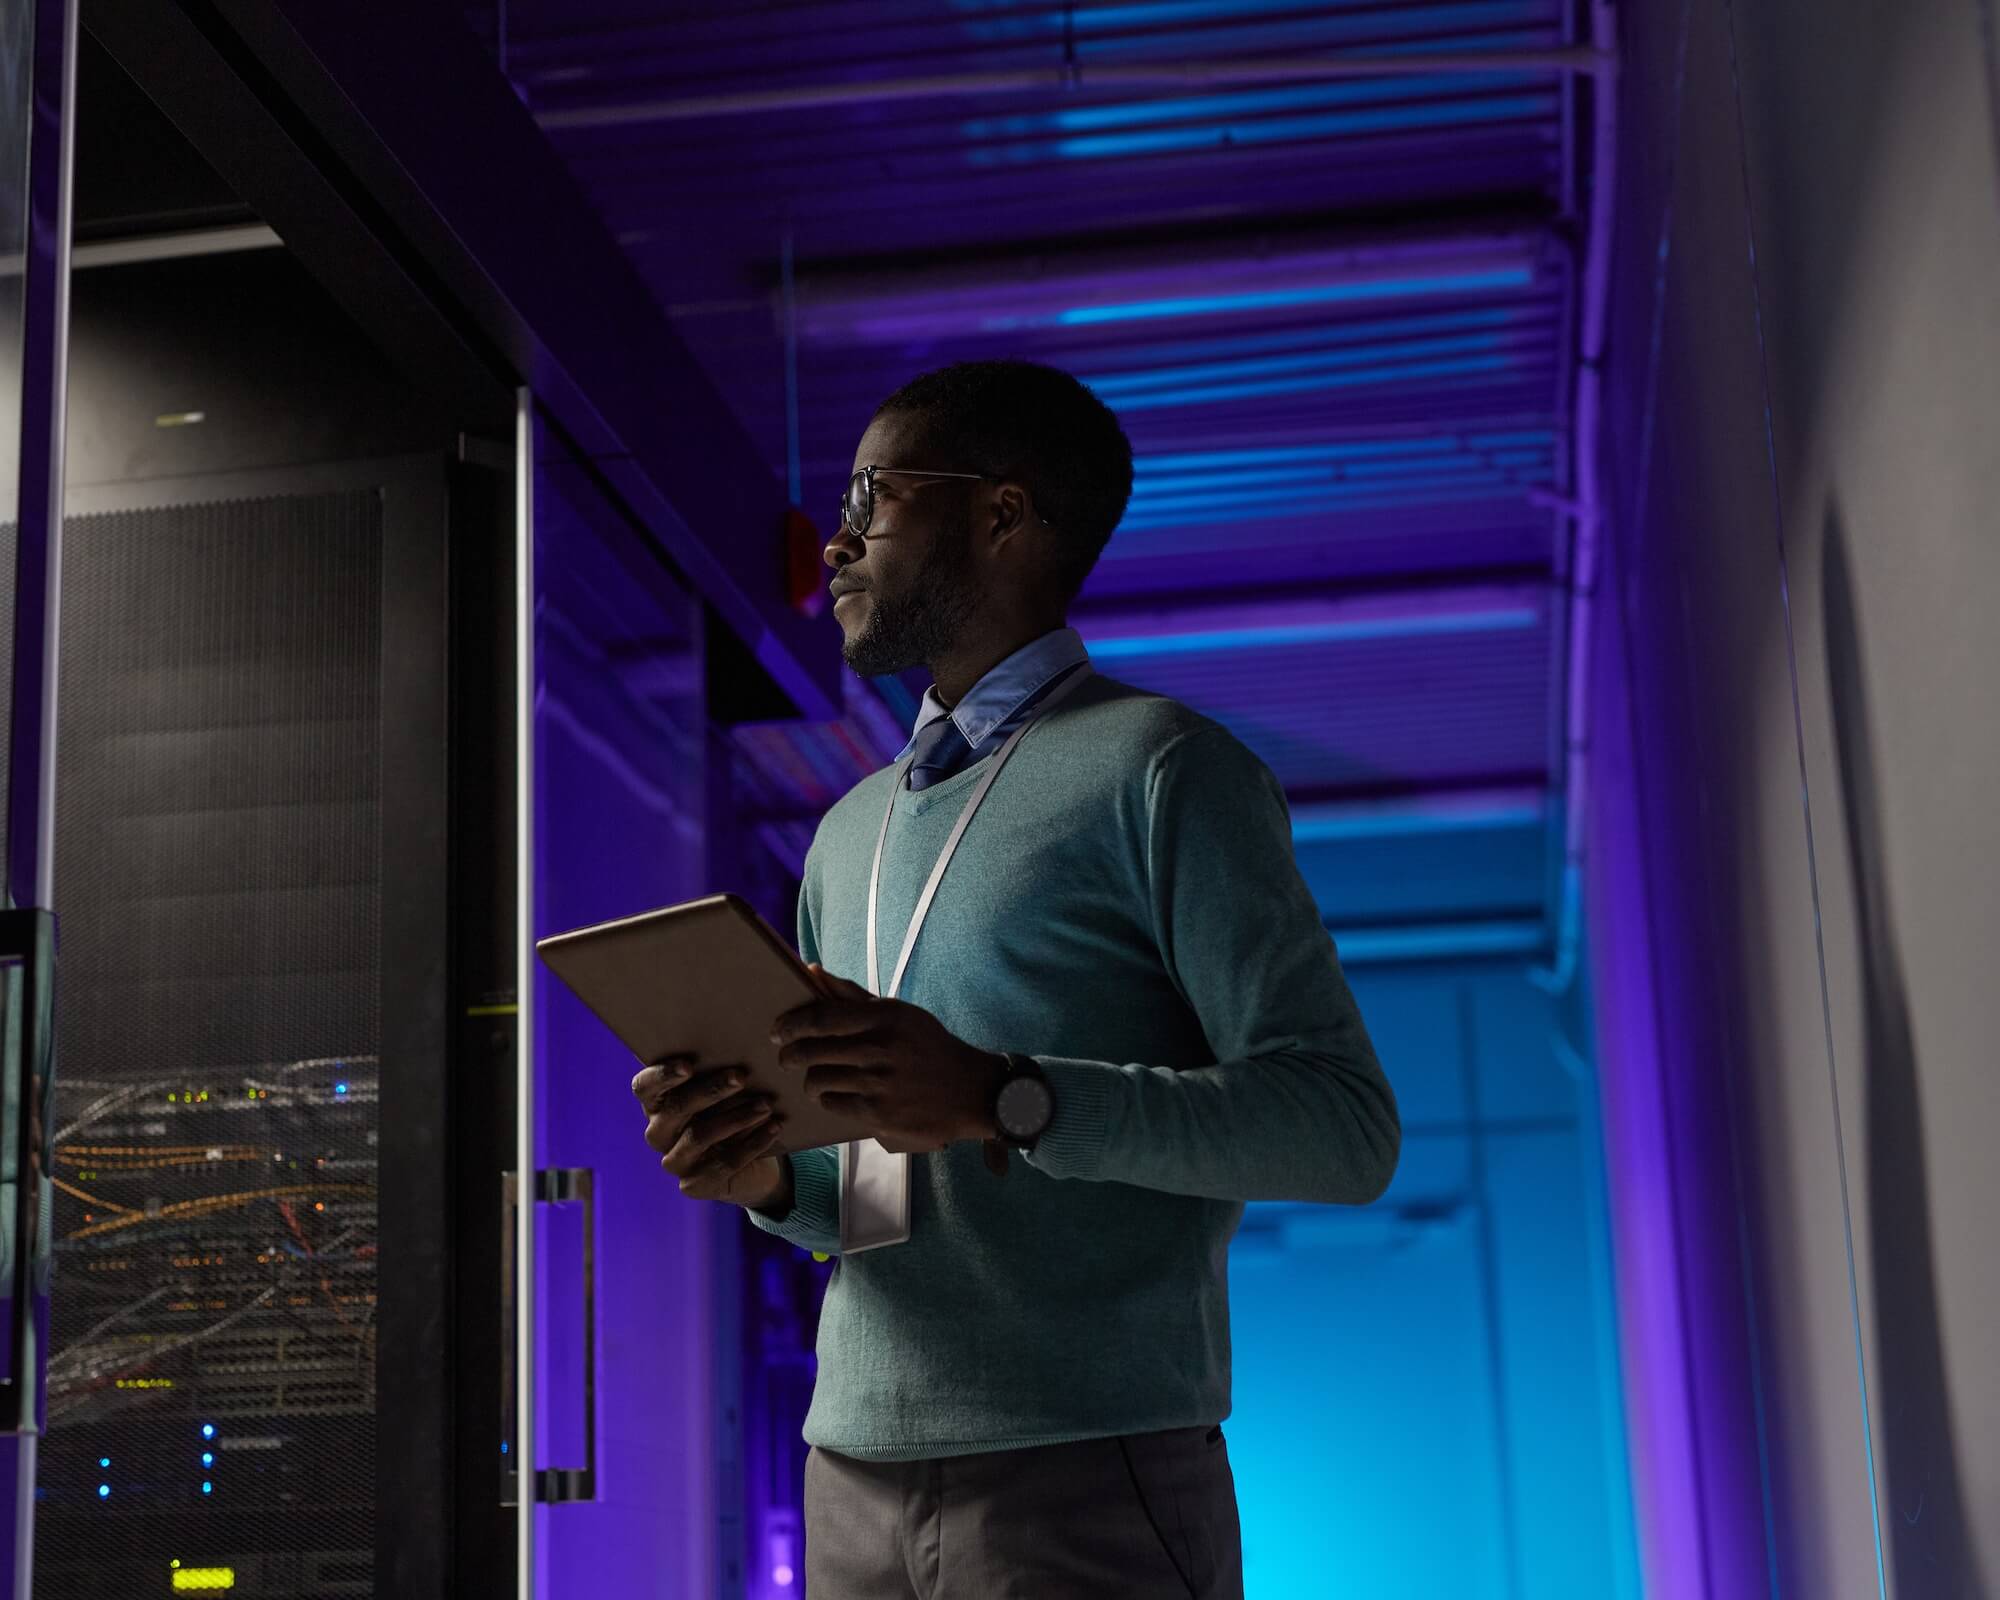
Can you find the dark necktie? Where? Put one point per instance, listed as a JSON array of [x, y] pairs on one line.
[[940, 750]]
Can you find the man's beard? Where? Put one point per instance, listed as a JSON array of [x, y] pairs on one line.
[[922, 623]]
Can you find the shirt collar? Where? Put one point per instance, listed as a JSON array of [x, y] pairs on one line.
[[998, 695]]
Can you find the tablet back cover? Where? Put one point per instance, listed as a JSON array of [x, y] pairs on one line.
[[707, 977]]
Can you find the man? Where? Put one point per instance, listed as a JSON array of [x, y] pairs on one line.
[[1122, 978]]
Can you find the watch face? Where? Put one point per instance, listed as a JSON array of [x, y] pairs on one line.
[[1024, 1107]]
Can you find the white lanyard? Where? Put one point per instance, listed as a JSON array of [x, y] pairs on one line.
[[950, 845]]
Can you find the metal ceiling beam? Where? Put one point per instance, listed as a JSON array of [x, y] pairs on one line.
[[1074, 75], [1196, 625], [175, 246], [1408, 588], [1502, 799]]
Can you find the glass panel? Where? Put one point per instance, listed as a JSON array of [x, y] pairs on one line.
[[619, 828], [16, 109], [16, 71]]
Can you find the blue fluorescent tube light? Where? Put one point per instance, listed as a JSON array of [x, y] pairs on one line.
[[1337, 632], [1442, 941], [1324, 294], [1442, 813], [1454, 284]]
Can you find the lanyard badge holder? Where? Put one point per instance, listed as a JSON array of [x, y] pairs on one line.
[[874, 1182]]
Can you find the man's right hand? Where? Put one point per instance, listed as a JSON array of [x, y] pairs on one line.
[[715, 1139]]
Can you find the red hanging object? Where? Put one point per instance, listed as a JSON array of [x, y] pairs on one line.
[[806, 573]]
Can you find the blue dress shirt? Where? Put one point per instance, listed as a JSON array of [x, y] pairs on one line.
[[995, 706]]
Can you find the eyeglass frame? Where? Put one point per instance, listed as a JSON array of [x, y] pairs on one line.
[[867, 475]]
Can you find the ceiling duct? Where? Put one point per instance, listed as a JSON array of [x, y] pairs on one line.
[[1160, 283]]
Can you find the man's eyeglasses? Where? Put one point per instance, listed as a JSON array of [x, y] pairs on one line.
[[857, 506]]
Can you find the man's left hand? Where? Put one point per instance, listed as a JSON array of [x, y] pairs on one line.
[[902, 1075]]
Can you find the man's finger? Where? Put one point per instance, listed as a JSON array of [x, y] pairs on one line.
[[731, 1156], [661, 1075], [840, 1077], [833, 1015], [859, 1107], [874, 1051], [681, 1101], [700, 1134]]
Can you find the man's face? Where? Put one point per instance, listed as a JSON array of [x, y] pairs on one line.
[[904, 593]]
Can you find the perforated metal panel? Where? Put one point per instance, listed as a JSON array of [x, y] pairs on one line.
[[212, 1364]]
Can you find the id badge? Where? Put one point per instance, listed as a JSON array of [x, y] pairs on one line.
[[874, 1196]]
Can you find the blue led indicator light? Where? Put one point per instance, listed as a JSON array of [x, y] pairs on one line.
[[208, 1488], [104, 1461], [208, 1458], [208, 1430], [104, 1491]]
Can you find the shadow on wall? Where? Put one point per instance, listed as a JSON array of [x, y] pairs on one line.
[[1930, 1550]]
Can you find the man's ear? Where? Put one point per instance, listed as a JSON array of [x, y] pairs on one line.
[[1010, 510]]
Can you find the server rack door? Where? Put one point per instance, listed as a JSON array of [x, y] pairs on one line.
[[623, 1354]]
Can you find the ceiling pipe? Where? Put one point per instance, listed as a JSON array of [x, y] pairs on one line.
[[1586, 507], [1074, 76]]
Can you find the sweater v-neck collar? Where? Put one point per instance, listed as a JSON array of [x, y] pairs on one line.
[[915, 802]]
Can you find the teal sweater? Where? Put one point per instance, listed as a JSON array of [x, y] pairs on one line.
[[1125, 908]]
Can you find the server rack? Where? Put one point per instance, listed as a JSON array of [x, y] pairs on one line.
[[253, 821]]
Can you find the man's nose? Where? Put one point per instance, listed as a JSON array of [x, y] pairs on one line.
[[842, 548]]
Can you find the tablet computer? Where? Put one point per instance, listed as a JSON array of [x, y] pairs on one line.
[[706, 978]]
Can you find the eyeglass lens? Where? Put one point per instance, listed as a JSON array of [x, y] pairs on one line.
[[858, 505]]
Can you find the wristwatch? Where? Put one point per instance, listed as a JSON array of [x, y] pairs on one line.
[[1025, 1104]]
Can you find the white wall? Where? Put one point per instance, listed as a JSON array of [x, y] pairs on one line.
[[1850, 555]]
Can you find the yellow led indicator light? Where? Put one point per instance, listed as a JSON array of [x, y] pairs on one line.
[[203, 1580]]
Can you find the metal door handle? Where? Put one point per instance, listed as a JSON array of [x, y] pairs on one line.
[[556, 1186]]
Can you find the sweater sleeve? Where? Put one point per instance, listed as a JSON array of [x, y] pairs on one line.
[[1296, 1105], [813, 1223]]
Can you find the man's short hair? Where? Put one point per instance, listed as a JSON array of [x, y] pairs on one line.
[[1041, 427]]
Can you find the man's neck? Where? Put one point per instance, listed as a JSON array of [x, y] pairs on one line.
[[954, 675]]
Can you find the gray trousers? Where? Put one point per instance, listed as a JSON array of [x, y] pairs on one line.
[[1151, 1516]]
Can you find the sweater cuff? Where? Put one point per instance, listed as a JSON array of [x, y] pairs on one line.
[[1073, 1144], [813, 1223]]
